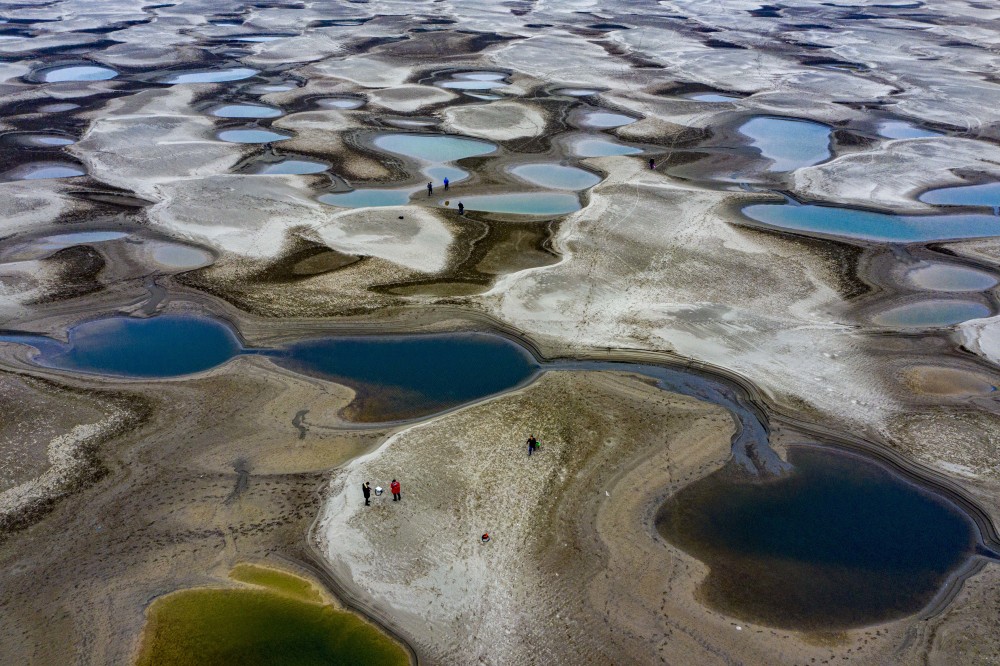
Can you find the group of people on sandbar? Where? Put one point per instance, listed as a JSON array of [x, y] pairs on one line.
[[447, 183], [366, 490]]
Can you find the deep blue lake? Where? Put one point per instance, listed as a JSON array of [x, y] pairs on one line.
[[840, 542]]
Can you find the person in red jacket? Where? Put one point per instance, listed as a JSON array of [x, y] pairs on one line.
[[394, 487]]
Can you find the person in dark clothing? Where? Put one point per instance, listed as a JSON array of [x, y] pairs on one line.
[[430, 189], [394, 487], [367, 490], [532, 444], [461, 208], [445, 184], [652, 163]]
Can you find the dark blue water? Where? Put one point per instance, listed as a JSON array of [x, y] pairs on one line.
[[869, 225], [841, 542], [838, 541], [395, 376], [404, 376]]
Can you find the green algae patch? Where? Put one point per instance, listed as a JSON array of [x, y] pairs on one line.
[[282, 620], [277, 581]]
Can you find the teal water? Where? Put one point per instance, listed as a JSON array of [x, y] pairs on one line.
[[210, 76], [869, 225], [986, 194], [556, 176], [367, 198], [435, 148], [77, 73], [252, 135], [598, 147], [840, 542], [936, 276], [521, 203], [292, 167], [246, 111], [164, 346], [788, 143], [395, 376], [931, 313]]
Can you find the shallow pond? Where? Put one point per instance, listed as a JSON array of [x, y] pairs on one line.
[[604, 119], [42, 170], [838, 543], [577, 92], [210, 76], [275, 618], [341, 103], [58, 107], [43, 140], [522, 203], [931, 314], [900, 129], [291, 167], [435, 148], [395, 376], [715, 98], [252, 135], [474, 80], [164, 346], [367, 198], [76, 73], [869, 225], [789, 143], [986, 194], [936, 276], [556, 176], [174, 256], [246, 111]]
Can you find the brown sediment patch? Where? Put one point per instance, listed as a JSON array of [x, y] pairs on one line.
[[944, 381], [438, 288], [518, 247], [76, 275], [158, 520], [323, 261]]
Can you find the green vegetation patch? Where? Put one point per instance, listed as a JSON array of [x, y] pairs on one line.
[[286, 622]]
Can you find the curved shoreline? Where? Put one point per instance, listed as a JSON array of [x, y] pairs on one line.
[[752, 397]]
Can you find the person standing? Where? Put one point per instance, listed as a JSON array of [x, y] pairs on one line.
[[461, 208], [532, 444], [394, 487], [430, 189], [366, 489], [652, 163], [445, 184]]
